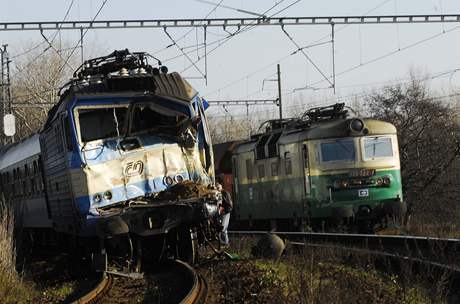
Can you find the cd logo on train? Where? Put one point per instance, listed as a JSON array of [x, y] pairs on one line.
[[134, 168]]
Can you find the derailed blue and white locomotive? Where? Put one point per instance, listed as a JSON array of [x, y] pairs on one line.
[[123, 166]]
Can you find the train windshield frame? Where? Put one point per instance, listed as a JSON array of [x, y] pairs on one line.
[[150, 117], [101, 122], [338, 150], [369, 145], [96, 123]]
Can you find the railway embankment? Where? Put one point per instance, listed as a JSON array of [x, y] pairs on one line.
[[324, 274]]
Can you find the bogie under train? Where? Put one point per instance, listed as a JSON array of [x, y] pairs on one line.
[[325, 171], [123, 166]]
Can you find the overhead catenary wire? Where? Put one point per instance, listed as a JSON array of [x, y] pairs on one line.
[[290, 5], [184, 53], [363, 95], [319, 103], [302, 50], [58, 52], [232, 8], [386, 55], [242, 29], [82, 36], [217, 5], [285, 57], [45, 41]]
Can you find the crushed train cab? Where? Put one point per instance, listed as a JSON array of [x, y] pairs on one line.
[[123, 135]]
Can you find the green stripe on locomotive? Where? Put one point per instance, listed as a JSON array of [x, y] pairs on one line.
[[283, 199], [323, 200]]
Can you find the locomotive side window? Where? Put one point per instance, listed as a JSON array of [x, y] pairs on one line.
[[287, 163], [338, 150], [249, 174], [101, 123], [288, 166], [275, 169], [261, 169], [57, 133], [377, 147], [68, 133], [35, 167]]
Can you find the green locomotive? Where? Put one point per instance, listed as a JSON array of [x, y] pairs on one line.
[[326, 170]]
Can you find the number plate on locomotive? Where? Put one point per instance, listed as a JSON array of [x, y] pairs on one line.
[[363, 192], [361, 173]]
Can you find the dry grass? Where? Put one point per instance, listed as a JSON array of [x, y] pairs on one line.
[[321, 275], [12, 288]]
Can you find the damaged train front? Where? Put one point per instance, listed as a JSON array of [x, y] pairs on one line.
[[143, 177]]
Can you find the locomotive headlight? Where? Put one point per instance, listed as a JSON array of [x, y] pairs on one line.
[[179, 178], [108, 195], [386, 181], [356, 125], [97, 198], [379, 181], [167, 180]]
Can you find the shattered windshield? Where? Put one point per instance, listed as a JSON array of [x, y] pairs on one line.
[[101, 123], [154, 118]]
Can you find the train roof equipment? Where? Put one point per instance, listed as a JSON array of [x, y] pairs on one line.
[[123, 72], [332, 121]]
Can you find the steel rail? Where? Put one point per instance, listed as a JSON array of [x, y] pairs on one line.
[[196, 294], [225, 22], [96, 294], [199, 289], [415, 246]]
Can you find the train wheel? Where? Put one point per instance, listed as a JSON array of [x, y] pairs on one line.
[[187, 245]]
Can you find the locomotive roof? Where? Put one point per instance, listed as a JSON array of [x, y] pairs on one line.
[[335, 128], [15, 153], [170, 85]]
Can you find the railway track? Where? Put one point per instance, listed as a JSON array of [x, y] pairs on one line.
[[96, 294], [427, 248], [175, 282], [438, 255]]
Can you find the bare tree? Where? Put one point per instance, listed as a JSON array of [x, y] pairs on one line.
[[35, 82], [429, 142]]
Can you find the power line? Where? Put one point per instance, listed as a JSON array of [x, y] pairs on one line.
[[350, 69], [327, 101], [302, 50], [366, 94], [189, 31], [243, 29], [82, 35], [285, 57], [233, 8], [184, 53], [43, 42], [52, 39]]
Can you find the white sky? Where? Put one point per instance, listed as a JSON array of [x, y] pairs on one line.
[[236, 61]]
